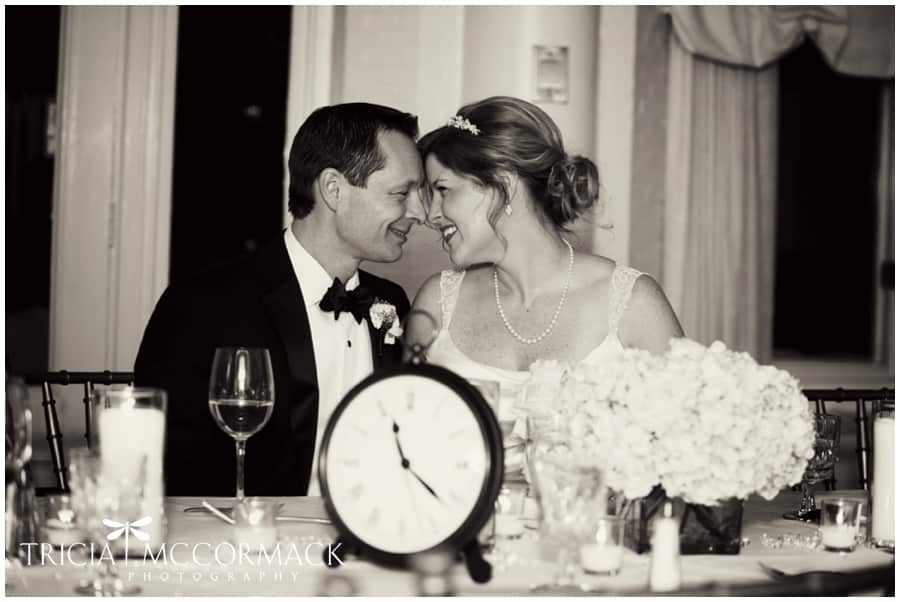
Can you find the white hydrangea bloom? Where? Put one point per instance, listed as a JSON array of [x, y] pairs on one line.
[[706, 423]]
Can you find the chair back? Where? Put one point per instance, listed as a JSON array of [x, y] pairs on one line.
[[863, 399], [87, 380]]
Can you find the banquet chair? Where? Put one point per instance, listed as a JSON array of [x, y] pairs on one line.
[[863, 399], [51, 419]]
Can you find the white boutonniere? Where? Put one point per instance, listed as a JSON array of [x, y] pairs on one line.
[[383, 316]]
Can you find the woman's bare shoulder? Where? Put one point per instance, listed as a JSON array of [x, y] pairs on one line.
[[649, 322], [428, 298]]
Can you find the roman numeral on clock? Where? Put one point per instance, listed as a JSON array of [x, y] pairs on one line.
[[356, 492]]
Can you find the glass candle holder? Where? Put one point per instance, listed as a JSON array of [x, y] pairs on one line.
[[58, 521], [602, 553], [508, 516], [254, 523], [840, 523]]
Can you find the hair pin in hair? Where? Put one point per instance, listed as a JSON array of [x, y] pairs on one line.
[[461, 123]]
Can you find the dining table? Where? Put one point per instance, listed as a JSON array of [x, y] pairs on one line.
[[199, 562]]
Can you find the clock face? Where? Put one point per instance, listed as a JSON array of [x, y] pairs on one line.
[[406, 463]]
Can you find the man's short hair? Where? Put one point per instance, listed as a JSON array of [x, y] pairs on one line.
[[343, 137]]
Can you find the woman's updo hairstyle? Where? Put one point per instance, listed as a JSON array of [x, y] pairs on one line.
[[515, 136]]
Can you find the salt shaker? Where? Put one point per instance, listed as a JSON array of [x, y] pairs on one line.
[[665, 560]]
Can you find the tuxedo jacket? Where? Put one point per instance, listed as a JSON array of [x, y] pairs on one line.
[[253, 302]]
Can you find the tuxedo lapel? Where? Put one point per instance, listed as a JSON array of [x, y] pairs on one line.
[[283, 303], [286, 308]]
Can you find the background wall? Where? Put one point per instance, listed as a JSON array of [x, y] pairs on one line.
[[432, 60]]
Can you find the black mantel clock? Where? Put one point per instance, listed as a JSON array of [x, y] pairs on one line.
[[412, 461]]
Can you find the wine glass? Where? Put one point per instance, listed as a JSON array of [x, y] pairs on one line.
[[820, 467], [241, 397]]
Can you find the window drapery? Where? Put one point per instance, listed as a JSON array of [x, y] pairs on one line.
[[721, 152], [855, 40], [720, 200]]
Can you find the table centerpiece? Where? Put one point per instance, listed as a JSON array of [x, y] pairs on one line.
[[704, 426]]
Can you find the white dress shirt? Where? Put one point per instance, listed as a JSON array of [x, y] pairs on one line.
[[342, 348]]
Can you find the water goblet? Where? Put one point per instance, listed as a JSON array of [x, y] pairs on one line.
[[820, 467], [241, 398], [572, 495], [545, 431], [107, 508]]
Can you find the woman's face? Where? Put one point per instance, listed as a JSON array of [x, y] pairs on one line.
[[459, 209]]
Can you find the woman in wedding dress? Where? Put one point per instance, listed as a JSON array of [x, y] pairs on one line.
[[503, 191]]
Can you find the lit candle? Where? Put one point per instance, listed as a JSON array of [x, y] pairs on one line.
[[601, 558], [127, 435], [256, 536], [839, 537], [255, 524], [59, 532], [508, 526], [532, 511]]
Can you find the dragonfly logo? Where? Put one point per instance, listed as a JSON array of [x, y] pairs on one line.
[[127, 528]]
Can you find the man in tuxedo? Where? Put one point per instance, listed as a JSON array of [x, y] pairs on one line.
[[355, 191]]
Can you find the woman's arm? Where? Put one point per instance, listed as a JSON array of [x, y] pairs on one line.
[[649, 321], [420, 329]]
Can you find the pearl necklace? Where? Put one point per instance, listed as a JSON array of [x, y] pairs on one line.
[[562, 301]]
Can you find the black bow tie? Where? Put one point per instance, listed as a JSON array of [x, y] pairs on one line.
[[338, 299]]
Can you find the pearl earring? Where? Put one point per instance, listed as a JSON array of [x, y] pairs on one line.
[[507, 210]]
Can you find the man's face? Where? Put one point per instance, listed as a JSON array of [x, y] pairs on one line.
[[375, 220]]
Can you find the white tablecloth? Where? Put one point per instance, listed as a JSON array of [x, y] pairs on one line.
[[518, 566]]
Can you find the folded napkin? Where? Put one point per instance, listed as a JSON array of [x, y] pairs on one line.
[[860, 559]]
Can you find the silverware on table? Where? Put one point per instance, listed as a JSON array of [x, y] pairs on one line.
[[224, 514], [217, 513], [778, 574]]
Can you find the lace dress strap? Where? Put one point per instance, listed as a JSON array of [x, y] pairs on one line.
[[451, 280], [623, 279]]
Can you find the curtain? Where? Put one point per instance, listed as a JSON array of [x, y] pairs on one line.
[[721, 152], [855, 40], [720, 200]]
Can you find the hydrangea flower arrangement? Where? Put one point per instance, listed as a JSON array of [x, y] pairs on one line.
[[705, 423]]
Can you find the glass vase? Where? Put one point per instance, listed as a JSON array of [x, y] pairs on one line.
[[702, 529]]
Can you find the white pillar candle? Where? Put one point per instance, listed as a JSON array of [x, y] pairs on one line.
[[127, 435], [883, 481], [601, 558]]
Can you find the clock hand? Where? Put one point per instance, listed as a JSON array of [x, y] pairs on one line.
[[424, 484], [404, 461], [397, 441], [412, 502]]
